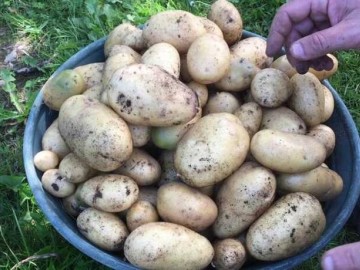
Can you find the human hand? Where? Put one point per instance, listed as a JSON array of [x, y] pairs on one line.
[[309, 29], [345, 257]]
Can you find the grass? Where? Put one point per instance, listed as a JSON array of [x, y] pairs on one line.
[[56, 29]]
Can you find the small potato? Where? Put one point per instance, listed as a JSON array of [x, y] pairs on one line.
[[56, 184], [287, 152], [228, 18], [46, 160], [283, 64], [140, 213], [75, 170], [125, 49], [325, 74], [91, 73], [109, 192], [324, 135], [307, 99], [148, 194], [183, 205], [222, 102], [208, 59], [61, 86], [105, 230], [229, 254], [329, 104], [140, 135], [250, 115], [54, 142], [283, 119], [290, 225], [72, 205], [165, 56], [201, 91], [184, 70], [271, 87], [211, 27], [94, 92], [321, 182], [141, 167], [168, 171], [163, 246]]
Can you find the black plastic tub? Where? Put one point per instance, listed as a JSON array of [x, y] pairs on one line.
[[345, 160]]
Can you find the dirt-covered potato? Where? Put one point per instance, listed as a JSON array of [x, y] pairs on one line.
[[325, 135], [287, 152], [61, 86], [208, 59], [165, 56], [163, 246], [147, 95], [140, 135], [283, 64], [91, 73], [53, 141], [222, 102], [56, 184], [74, 169], [125, 49], [177, 27], [46, 160], [290, 225], [94, 92], [250, 115], [201, 91], [271, 87], [324, 74], [307, 99], [321, 182], [228, 18], [140, 213], [211, 27], [95, 133], [329, 104], [141, 167], [230, 254], [181, 204], [109, 192], [283, 119], [242, 198], [105, 230], [202, 159]]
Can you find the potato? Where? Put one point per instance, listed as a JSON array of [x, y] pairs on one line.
[[91, 73], [222, 102], [324, 135], [46, 160], [105, 230], [109, 192], [208, 59], [329, 104], [181, 204], [61, 86], [287, 152], [290, 225], [324, 74], [239, 76], [147, 95], [53, 141], [177, 27], [141, 167], [184, 70], [271, 87], [307, 99], [127, 50], [168, 171], [321, 182], [242, 198], [75, 170], [250, 115], [95, 133], [94, 92], [201, 91], [162, 245], [124, 34], [228, 18], [201, 159], [72, 205], [229, 254], [56, 184], [283, 64], [140, 213], [211, 27], [140, 135], [165, 56], [148, 194], [283, 119], [253, 50]]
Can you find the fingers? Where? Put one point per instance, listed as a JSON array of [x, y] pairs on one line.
[[344, 257]]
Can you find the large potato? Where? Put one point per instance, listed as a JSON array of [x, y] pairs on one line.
[[147, 95], [228, 18], [181, 204], [242, 198], [208, 59], [290, 225], [222, 102], [105, 230], [163, 246], [283, 64], [177, 27], [287, 152], [324, 74], [324, 135], [95, 133], [54, 142], [75, 170], [109, 192], [230, 254], [211, 150], [250, 115], [140, 213], [91, 73]]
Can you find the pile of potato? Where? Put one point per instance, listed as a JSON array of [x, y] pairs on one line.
[[189, 146]]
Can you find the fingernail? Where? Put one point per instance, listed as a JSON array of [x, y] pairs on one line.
[[297, 51], [328, 263]]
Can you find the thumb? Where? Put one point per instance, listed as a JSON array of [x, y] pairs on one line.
[[344, 257]]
